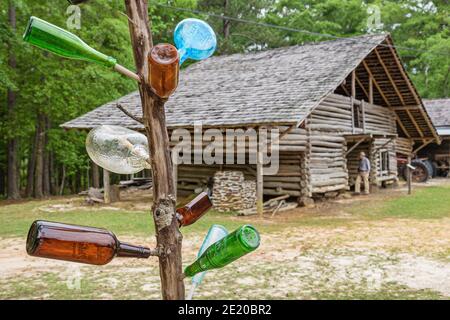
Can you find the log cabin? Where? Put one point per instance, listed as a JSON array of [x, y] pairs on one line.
[[438, 154], [329, 100]]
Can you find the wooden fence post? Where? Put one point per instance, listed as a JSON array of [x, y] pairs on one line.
[[409, 175], [175, 173], [259, 183], [106, 187]]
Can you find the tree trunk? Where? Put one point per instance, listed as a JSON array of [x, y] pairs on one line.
[[446, 83], [168, 237], [13, 143], [32, 163], [63, 180], [53, 174], [2, 181], [95, 175], [39, 170], [46, 160], [226, 22], [78, 181]]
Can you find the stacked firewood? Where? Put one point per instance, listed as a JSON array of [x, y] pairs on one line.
[[227, 189], [272, 206], [140, 183]]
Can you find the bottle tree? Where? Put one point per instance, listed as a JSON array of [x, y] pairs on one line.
[[168, 236], [157, 77]]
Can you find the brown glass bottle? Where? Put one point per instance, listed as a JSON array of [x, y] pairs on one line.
[[78, 243], [194, 210], [164, 68]]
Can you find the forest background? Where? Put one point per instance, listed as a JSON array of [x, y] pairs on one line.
[[40, 91]]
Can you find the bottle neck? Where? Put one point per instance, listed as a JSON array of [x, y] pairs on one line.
[[182, 52], [131, 251], [180, 218]]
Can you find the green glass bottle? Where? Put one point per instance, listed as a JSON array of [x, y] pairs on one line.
[[47, 36], [230, 248]]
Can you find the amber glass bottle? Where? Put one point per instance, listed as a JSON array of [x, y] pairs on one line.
[[164, 68], [194, 210], [78, 243]]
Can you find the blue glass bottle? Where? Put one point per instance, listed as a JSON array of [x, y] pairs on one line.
[[194, 39]]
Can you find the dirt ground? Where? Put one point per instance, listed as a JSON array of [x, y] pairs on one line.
[[346, 258]]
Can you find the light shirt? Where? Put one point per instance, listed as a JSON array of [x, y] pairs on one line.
[[364, 165]]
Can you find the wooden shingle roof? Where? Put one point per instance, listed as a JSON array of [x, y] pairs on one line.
[[279, 86], [439, 111]]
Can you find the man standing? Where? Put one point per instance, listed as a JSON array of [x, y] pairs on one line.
[[363, 173]]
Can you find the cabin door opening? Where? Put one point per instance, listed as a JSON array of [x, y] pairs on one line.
[[354, 148]]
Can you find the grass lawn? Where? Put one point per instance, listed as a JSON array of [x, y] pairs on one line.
[[15, 219], [377, 247], [424, 203]]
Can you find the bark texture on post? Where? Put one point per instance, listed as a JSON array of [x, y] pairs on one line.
[[168, 236]]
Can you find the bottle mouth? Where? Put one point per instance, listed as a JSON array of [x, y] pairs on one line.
[[29, 28], [32, 238], [249, 237], [164, 53]]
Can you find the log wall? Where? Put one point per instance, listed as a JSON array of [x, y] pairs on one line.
[[329, 124], [313, 159], [404, 146], [290, 179], [379, 146]]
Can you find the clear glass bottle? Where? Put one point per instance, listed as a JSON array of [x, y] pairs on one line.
[[118, 149]]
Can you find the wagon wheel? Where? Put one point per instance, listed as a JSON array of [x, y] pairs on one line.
[[420, 174]]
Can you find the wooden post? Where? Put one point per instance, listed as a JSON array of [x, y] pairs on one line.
[[409, 175], [259, 184], [363, 111], [354, 84], [370, 89], [168, 237], [175, 173], [106, 187], [352, 103]]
